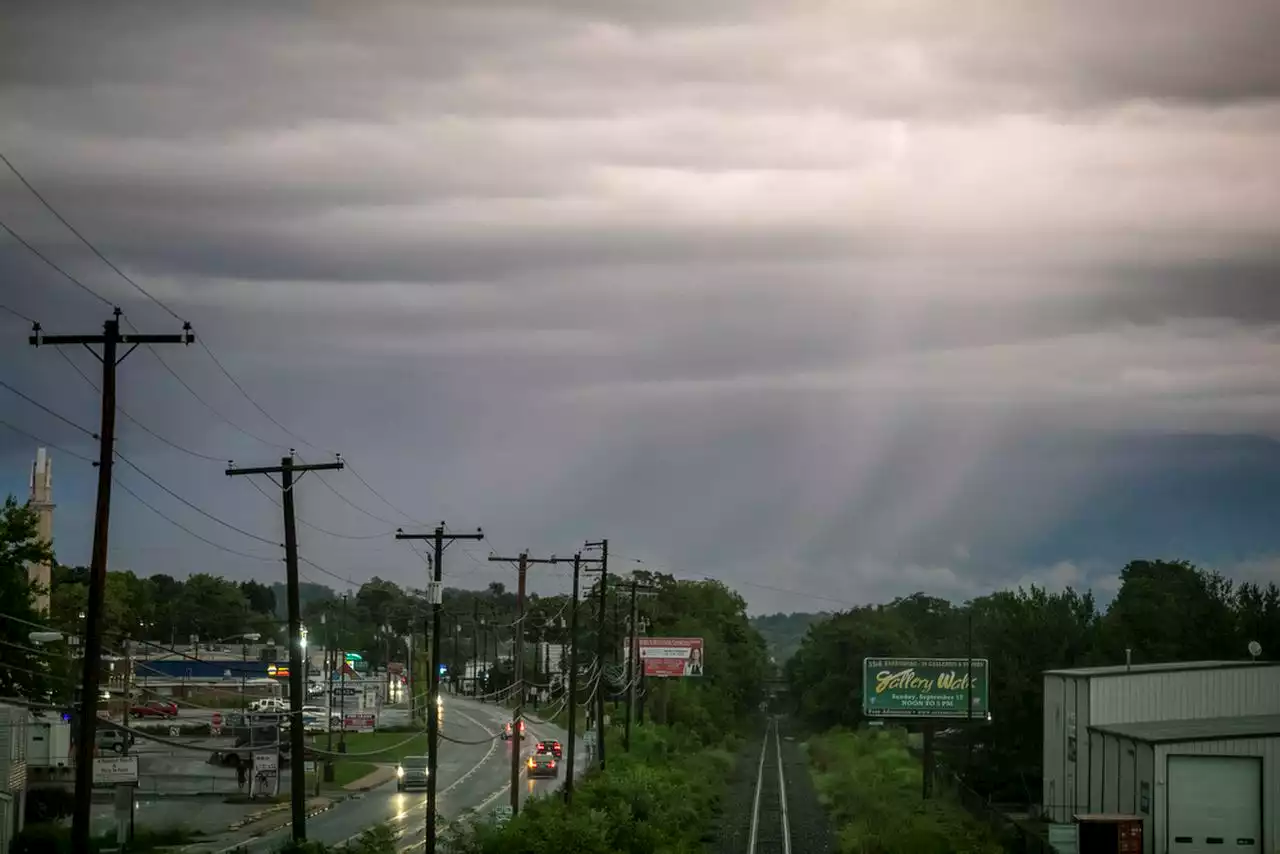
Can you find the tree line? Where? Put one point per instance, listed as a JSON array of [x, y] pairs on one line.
[[1163, 611]]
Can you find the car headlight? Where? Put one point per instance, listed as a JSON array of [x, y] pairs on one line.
[[399, 771]]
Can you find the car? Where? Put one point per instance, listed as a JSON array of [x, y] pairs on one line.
[[155, 709], [506, 730], [269, 704], [551, 747], [112, 740], [411, 772], [543, 765]]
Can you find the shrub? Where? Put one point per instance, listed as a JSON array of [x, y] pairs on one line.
[[49, 805], [871, 786]]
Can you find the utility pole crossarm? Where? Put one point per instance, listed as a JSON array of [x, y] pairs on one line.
[[296, 468]]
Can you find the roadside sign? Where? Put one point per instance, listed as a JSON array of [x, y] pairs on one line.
[[215, 731], [266, 774], [217, 719], [113, 770], [589, 738], [501, 815], [309, 767], [174, 731], [671, 656], [924, 687], [359, 722]]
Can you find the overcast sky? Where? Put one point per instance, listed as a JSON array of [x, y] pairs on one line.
[[844, 299]]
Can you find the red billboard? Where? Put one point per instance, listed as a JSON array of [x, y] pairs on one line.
[[671, 656]]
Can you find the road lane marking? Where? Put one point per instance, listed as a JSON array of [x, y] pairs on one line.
[[401, 816]]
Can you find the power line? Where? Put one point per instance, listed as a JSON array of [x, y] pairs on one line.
[[208, 405], [41, 406], [135, 421], [183, 527], [70, 278], [194, 507], [16, 313], [40, 441], [380, 496], [355, 506], [255, 403], [315, 527], [51, 209]]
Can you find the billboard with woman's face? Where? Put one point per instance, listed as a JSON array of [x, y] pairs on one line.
[[663, 657]]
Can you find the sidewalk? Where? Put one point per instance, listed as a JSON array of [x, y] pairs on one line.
[[372, 780]]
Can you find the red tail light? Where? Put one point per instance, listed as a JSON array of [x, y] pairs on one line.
[[552, 765]]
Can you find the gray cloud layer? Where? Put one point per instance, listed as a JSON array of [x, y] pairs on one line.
[[854, 299]]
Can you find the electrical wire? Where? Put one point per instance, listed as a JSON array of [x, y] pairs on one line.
[[135, 421], [199, 341], [380, 496], [17, 314], [209, 406], [183, 527], [199, 510], [313, 526], [50, 263], [352, 504], [256, 405], [38, 405], [49, 207], [44, 442]]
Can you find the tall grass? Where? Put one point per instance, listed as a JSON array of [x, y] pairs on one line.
[[871, 786]]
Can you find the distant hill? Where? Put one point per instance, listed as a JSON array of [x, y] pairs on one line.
[[784, 632]]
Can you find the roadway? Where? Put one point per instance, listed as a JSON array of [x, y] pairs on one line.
[[469, 777]]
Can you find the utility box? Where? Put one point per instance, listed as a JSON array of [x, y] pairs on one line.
[[49, 744], [1105, 833]]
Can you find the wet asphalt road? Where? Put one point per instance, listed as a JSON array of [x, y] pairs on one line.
[[470, 776]]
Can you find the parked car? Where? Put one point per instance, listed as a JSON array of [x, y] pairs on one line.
[[155, 709], [269, 704], [112, 740]]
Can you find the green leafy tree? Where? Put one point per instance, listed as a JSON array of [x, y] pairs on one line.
[[22, 671]]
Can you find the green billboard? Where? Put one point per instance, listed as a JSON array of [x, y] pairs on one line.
[[924, 687]]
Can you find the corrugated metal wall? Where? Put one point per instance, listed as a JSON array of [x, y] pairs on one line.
[[1122, 780], [1066, 745], [1184, 695], [1267, 748]]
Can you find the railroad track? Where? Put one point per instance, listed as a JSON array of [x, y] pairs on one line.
[[770, 825]]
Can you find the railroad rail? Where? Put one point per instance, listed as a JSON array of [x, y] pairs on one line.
[[770, 825]]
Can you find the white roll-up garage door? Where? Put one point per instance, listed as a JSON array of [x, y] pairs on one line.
[[1215, 805]]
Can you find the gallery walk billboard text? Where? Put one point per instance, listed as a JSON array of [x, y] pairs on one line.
[[924, 687]]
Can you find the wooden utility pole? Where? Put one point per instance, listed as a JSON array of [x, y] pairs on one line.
[[523, 562], [638, 588], [297, 689], [435, 595], [86, 722], [601, 644], [573, 679]]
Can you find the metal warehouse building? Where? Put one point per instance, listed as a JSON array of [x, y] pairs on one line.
[[1191, 748]]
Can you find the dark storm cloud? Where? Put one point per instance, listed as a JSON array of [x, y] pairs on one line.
[[858, 298]]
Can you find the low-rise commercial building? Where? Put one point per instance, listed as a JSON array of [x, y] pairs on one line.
[[1190, 748], [13, 773]]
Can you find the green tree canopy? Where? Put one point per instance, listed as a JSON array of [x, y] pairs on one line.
[[23, 671]]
